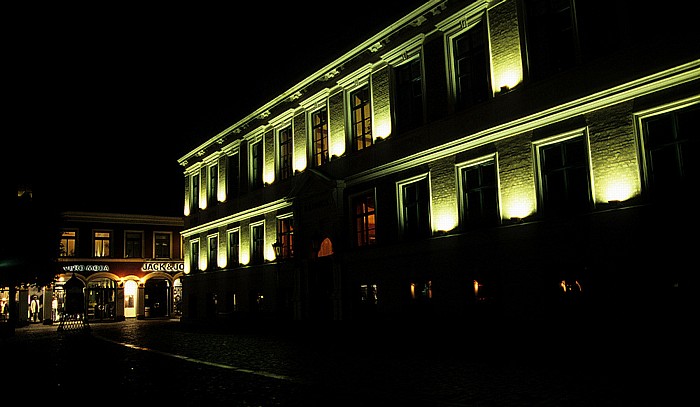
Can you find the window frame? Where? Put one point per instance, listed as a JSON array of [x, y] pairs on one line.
[[355, 218], [481, 220], [127, 244], [108, 240], [157, 233], [544, 202], [230, 249], [419, 233]]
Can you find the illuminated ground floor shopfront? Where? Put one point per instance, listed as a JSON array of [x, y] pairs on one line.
[[114, 290]]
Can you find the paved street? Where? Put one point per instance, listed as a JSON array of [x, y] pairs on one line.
[[166, 361]]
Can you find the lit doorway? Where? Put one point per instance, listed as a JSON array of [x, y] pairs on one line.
[[130, 295]]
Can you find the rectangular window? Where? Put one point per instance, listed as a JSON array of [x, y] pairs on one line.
[[319, 134], [414, 201], [194, 193], [257, 243], [285, 236], [285, 152], [671, 152], [368, 294], [101, 243], [213, 253], [133, 244], [551, 35], [409, 95], [364, 215], [480, 194], [471, 67], [234, 240], [233, 179], [564, 177], [68, 243], [213, 186], [162, 245], [256, 165], [194, 256], [361, 116]]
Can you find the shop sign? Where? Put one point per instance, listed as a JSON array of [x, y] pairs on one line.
[[86, 267], [163, 266]]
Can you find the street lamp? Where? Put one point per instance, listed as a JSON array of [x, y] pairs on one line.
[[277, 246]]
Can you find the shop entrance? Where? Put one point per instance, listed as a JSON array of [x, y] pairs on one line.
[[101, 299], [157, 298]]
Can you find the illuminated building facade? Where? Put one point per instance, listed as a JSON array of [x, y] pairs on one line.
[[519, 160], [130, 266]]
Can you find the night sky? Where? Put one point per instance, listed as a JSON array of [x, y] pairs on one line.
[[103, 100]]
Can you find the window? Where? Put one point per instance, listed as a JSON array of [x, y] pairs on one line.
[[213, 253], [285, 236], [319, 134], [564, 176], [409, 95], [285, 152], [368, 294], [256, 165], [194, 198], [364, 219], [671, 151], [234, 240], [68, 243], [194, 255], [233, 180], [213, 186], [162, 245], [471, 66], [414, 203], [361, 116], [101, 241], [480, 194], [133, 244], [552, 41], [257, 243]]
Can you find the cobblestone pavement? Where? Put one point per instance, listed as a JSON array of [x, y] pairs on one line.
[[167, 361]]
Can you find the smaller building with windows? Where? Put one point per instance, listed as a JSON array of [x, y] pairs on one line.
[[130, 266]]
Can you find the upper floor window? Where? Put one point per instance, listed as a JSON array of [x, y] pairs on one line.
[[194, 193], [213, 253], [471, 66], [564, 176], [408, 95], [162, 245], [233, 179], [194, 255], [133, 244], [234, 244], [257, 243], [364, 219], [671, 151], [319, 137], [414, 208], [479, 194], [102, 242], [213, 186], [551, 33], [361, 118], [285, 152], [285, 236], [68, 244], [256, 165]]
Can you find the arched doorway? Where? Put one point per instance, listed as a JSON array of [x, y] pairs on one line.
[[131, 289], [101, 299], [157, 298]]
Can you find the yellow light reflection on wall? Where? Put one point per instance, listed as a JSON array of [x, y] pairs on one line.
[[518, 206], [617, 188], [338, 148], [269, 176], [300, 163], [445, 219], [382, 129], [507, 78]]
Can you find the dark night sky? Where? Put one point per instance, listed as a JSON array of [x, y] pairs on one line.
[[103, 100]]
